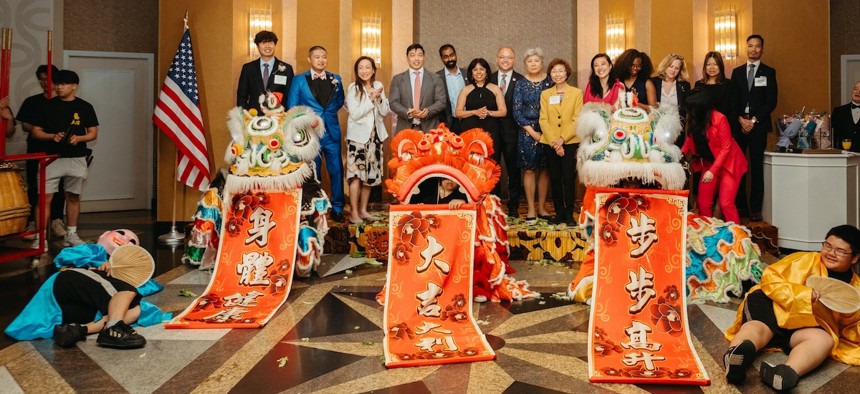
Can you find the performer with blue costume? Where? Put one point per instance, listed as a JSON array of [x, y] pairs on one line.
[[84, 299]]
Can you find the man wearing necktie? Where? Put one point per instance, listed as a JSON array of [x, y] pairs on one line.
[[755, 84], [264, 74], [322, 91], [845, 123], [505, 143], [417, 95]]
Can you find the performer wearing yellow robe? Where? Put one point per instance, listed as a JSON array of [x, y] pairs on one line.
[[802, 326]]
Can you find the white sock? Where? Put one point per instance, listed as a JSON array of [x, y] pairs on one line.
[[111, 323], [72, 229]]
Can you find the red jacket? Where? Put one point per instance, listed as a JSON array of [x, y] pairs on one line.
[[727, 154]]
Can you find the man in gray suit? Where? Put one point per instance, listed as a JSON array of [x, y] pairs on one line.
[[455, 80], [420, 108]]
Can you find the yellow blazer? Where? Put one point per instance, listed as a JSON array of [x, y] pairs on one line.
[[560, 119], [784, 283]]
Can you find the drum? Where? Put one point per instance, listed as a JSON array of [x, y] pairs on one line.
[[14, 207]]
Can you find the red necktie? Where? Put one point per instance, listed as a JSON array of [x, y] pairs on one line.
[[416, 91]]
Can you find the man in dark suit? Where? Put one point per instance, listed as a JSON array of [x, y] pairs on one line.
[[264, 74], [455, 79], [505, 143], [421, 109], [755, 85], [845, 122], [322, 91]]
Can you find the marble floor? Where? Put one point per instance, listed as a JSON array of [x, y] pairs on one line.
[[327, 338]]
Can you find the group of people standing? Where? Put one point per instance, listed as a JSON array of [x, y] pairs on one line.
[[531, 117]]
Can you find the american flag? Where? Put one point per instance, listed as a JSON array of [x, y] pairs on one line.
[[177, 114]]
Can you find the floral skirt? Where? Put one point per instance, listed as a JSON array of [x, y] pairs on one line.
[[364, 161]]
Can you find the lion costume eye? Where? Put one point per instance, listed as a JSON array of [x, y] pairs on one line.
[[262, 126], [300, 138], [618, 135]]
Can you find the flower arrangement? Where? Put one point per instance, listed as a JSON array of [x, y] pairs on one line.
[[808, 130]]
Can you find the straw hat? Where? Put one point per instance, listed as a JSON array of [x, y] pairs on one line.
[[132, 264], [835, 294]]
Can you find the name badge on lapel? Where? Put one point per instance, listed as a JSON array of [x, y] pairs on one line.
[[280, 79], [761, 81], [555, 99]]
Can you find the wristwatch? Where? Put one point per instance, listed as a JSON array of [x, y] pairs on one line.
[[754, 120]]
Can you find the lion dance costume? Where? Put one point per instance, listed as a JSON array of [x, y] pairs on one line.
[[467, 160], [632, 147]]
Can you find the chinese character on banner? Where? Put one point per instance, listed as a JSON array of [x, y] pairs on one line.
[[261, 225], [227, 315], [641, 289], [433, 249], [238, 299], [428, 305], [252, 269], [638, 334], [642, 233]]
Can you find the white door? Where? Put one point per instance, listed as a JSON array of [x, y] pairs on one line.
[[119, 86]]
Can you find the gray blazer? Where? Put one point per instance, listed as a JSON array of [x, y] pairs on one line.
[[433, 97]]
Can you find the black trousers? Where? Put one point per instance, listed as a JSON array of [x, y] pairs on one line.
[[505, 147], [562, 179], [755, 141]]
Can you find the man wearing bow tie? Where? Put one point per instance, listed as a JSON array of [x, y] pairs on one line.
[[264, 74], [322, 91], [755, 84], [845, 122]]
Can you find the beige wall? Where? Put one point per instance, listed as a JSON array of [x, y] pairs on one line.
[[844, 40], [111, 26], [477, 28], [671, 29]]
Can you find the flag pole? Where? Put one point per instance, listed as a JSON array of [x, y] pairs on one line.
[[173, 237]]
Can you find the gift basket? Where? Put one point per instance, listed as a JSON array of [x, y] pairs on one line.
[[804, 131]]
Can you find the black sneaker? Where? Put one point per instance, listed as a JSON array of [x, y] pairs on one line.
[[780, 377], [737, 360], [67, 335], [120, 336]]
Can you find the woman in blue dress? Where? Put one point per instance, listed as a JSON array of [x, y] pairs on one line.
[[530, 158]]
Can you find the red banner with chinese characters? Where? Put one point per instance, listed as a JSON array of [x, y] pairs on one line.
[[428, 308], [254, 270], [638, 327]]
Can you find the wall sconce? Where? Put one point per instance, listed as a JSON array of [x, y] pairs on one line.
[[259, 18], [726, 33], [371, 38], [615, 36]]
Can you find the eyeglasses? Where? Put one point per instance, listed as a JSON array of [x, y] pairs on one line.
[[676, 56], [826, 247]]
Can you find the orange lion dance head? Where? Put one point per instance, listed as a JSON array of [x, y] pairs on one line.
[[465, 159]]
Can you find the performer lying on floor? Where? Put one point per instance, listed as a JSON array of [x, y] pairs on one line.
[[84, 299], [784, 312], [81, 293]]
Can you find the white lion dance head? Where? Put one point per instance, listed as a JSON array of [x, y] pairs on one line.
[[629, 145], [274, 149]]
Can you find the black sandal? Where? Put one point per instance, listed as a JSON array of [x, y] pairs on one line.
[[780, 377], [737, 360]]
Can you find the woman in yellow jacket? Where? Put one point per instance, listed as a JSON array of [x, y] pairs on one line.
[[559, 111], [784, 312]]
